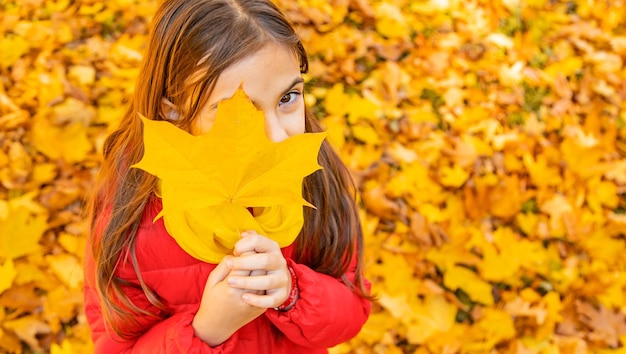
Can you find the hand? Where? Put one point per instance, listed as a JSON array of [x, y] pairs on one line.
[[222, 310], [261, 256]]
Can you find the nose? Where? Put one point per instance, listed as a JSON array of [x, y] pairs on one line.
[[273, 129]]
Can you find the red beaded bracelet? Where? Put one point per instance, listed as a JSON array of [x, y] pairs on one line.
[[293, 293]]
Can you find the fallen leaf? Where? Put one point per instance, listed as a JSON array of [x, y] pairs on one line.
[[61, 305], [70, 143], [366, 133], [379, 204], [64, 348], [463, 278], [390, 21], [453, 176], [493, 327], [12, 48], [7, 274], [605, 325], [556, 207], [27, 328], [434, 315], [20, 220], [67, 269]]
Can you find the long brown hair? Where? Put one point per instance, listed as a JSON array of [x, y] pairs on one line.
[[190, 43]]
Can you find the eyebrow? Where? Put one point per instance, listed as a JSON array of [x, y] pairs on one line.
[[296, 81]]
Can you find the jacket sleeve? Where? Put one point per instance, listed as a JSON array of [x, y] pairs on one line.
[[327, 311], [161, 333]]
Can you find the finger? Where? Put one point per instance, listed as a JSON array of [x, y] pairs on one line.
[[260, 261], [257, 272], [267, 282], [242, 252], [238, 271], [220, 272], [262, 301], [253, 242]]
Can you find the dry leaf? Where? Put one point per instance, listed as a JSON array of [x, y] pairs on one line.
[[27, 328], [67, 269], [7, 274], [20, 221], [498, 130], [463, 278], [605, 325]]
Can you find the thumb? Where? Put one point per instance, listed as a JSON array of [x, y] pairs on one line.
[[220, 272]]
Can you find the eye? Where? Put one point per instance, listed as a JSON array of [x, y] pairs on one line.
[[289, 98]]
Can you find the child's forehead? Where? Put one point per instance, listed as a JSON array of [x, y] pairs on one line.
[[270, 51], [268, 72]]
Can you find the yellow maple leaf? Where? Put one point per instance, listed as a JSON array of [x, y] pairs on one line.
[[390, 21], [506, 198], [64, 348], [12, 48], [336, 100], [336, 129], [27, 328], [602, 193], [72, 244], [453, 176], [495, 326], [463, 278], [44, 173], [599, 245], [401, 278], [208, 182], [434, 315], [498, 266], [24, 218], [503, 259], [69, 143], [397, 305], [60, 306], [361, 108], [568, 66], [28, 272], [453, 252], [373, 330], [541, 173], [7, 274], [67, 269], [366, 133]]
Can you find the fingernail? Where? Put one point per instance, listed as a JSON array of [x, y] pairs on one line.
[[246, 297], [229, 264], [232, 281]]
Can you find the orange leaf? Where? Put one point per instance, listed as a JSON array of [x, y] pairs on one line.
[[27, 328], [606, 326]]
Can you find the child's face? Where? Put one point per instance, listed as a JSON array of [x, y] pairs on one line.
[[272, 80]]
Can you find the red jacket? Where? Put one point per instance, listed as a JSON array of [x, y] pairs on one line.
[[326, 313]]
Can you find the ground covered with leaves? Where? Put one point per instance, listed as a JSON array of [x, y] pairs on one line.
[[487, 140]]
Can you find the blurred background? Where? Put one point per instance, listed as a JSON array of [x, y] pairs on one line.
[[487, 140]]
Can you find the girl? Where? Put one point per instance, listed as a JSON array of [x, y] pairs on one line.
[[143, 293]]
